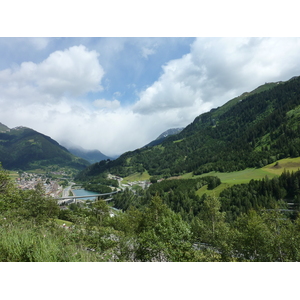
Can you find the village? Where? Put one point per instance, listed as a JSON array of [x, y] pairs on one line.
[[28, 181], [142, 183]]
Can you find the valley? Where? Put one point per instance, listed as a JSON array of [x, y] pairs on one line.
[[224, 188]]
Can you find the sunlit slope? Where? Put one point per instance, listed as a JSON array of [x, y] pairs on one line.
[[244, 176]]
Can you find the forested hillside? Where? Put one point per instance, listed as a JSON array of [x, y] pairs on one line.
[[25, 148], [252, 130]]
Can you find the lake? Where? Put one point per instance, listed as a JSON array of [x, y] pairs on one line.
[[83, 192]]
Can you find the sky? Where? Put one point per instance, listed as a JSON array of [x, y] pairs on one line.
[[118, 94]]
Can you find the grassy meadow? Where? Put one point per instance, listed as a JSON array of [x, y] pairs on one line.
[[136, 177], [244, 176]]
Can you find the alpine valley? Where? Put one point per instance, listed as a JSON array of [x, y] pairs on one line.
[[224, 188]]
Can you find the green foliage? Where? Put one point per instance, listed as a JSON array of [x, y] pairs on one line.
[[161, 234], [168, 223], [265, 193], [23, 242], [98, 188], [268, 236]]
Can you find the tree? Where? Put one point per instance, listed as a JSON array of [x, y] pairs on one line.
[[209, 227], [37, 206], [10, 195], [163, 235], [100, 213], [254, 238]]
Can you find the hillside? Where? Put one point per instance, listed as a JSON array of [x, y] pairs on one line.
[[250, 131], [25, 148]]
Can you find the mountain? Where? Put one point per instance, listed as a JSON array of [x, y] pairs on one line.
[[162, 137], [3, 128], [91, 156], [25, 148], [251, 130], [169, 132]]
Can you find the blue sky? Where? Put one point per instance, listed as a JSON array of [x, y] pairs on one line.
[[118, 94]]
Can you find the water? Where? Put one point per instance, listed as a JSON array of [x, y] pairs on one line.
[[83, 192]]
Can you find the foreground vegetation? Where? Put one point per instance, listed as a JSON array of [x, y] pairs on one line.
[[167, 222]]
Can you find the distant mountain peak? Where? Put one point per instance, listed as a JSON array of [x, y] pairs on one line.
[[91, 156], [3, 127], [164, 135], [169, 132]]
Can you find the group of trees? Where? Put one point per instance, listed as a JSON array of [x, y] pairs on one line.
[[280, 192]]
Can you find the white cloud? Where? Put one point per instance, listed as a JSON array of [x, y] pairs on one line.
[[43, 95], [218, 69], [39, 42], [147, 51], [102, 103], [72, 72]]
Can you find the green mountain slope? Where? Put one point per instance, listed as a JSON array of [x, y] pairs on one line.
[[25, 148], [252, 130]]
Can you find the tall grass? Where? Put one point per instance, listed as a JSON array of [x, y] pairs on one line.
[[26, 243]]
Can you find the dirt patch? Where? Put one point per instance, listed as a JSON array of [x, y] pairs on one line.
[[287, 165], [292, 165], [276, 166]]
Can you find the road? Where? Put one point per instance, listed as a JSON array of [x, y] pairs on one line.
[[66, 190]]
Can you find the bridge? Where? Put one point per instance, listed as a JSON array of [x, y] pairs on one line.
[[71, 199]]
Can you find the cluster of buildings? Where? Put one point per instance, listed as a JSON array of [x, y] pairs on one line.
[[28, 181], [142, 183]]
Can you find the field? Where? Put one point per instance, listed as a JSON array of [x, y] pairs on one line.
[[290, 164], [13, 175], [239, 177], [136, 177]]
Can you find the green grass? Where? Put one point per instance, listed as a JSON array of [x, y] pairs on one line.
[[13, 175], [243, 176], [61, 222], [239, 177], [177, 141], [136, 177], [215, 192], [289, 164], [230, 179]]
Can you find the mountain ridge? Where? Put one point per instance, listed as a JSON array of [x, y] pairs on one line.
[[251, 130], [24, 148]]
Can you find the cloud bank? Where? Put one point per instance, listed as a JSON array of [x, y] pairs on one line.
[[52, 96]]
